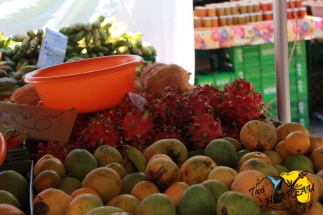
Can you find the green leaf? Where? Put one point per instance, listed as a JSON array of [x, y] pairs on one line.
[[137, 158]]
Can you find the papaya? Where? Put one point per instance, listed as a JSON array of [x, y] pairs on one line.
[[105, 155], [216, 188], [16, 184], [235, 203], [175, 191], [144, 189], [130, 180], [79, 162], [258, 136], [51, 202], [156, 204], [82, 204], [317, 158], [222, 152], [223, 174], [254, 154], [121, 170], [8, 198], [281, 150], [315, 142], [256, 185], [287, 128], [274, 157], [236, 144], [85, 190], [174, 148], [259, 165], [8, 209], [196, 199], [125, 202], [317, 209], [69, 185], [196, 169], [49, 162], [104, 210], [162, 172], [105, 181], [297, 143], [299, 162], [46, 179], [280, 169]]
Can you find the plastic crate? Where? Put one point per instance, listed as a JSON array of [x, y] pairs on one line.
[[204, 80], [151, 58], [223, 78], [25, 168]]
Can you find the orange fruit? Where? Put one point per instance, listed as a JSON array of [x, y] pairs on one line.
[[297, 143]]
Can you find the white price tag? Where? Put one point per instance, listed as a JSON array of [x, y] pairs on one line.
[[53, 49]]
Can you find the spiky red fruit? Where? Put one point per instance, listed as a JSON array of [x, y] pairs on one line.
[[203, 130], [99, 132], [137, 128]]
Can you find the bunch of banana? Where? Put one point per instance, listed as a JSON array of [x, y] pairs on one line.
[[13, 138], [29, 46]]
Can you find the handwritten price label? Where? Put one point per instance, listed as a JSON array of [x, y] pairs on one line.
[[53, 49], [41, 123]]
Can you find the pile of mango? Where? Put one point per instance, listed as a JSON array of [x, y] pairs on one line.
[[268, 171]]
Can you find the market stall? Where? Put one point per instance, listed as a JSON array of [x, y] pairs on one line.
[[96, 125]]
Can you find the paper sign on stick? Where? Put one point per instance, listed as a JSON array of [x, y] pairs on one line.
[[52, 49], [41, 123]]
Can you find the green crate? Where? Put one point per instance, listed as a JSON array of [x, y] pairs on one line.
[[305, 121], [301, 68], [300, 48], [201, 54], [267, 52], [302, 88], [302, 107], [204, 80], [221, 79]]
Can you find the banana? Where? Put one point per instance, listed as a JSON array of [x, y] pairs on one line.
[[1, 43], [96, 36], [75, 58], [7, 42], [79, 35], [92, 55], [6, 83], [31, 34], [34, 43], [8, 52], [72, 54], [152, 49], [28, 68], [138, 35], [6, 68], [100, 18], [30, 52], [4, 129], [129, 44], [16, 48], [71, 37], [40, 33], [85, 55], [7, 63], [88, 26], [96, 24], [135, 50], [3, 73], [122, 49], [69, 48], [70, 30], [104, 50], [22, 62], [138, 43], [88, 37], [33, 60], [119, 43], [9, 133], [15, 142], [25, 44], [145, 51], [95, 48], [19, 37], [62, 30], [106, 26], [100, 54], [103, 35], [18, 75], [79, 26]]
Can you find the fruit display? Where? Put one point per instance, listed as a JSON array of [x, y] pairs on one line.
[[229, 176], [19, 53], [13, 138]]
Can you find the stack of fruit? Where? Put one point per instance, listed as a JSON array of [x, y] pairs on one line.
[[228, 177], [19, 53]]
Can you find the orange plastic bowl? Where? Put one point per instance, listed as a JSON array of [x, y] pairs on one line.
[[87, 85]]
